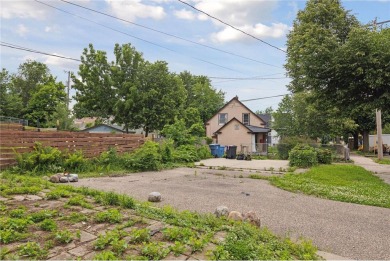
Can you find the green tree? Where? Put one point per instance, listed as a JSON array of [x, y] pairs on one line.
[[201, 95], [43, 104], [125, 77], [31, 75], [162, 97], [95, 93], [11, 103]]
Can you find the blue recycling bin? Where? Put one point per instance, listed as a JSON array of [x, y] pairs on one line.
[[221, 151], [214, 148]]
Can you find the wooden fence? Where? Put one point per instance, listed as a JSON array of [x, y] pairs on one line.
[[91, 144]]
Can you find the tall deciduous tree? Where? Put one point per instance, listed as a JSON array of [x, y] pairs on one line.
[[201, 95], [31, 75], [11, 103], [43, 104], [95, 94], [162, 97]]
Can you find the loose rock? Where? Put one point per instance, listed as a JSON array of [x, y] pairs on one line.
[[235, 215], [221, 211], [253, 218], [154, 197]]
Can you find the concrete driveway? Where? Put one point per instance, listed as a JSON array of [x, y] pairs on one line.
[[245, 164], [347, 230]]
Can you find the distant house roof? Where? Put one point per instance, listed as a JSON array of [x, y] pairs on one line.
[[243, 105], [251, 129], [105, 128], [266, 118]]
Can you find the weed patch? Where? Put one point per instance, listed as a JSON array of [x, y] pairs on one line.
[[345, 183]]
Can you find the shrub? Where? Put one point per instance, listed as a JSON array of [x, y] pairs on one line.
[[303, 156], [324, 156], [147, 157], [166, 150], [42, 159], [109, 159], [204, 152], [286, 144], [186, 153], [75, 162]]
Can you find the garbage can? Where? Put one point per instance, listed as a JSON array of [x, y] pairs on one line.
[[221, 151], [231, 152], [214, 148]]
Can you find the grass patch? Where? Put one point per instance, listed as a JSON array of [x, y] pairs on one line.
[[345, 183], [126, 223], [383, 161]]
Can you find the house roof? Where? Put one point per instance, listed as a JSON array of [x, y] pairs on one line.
[[113, 127], [251, 129], [266, 118], [236, 99]]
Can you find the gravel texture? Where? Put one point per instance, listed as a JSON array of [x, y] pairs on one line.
[[344, 229]]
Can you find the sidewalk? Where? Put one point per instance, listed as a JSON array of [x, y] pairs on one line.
[[381, 170]]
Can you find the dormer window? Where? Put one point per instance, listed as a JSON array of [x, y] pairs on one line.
[[246, 118], [222, 118]]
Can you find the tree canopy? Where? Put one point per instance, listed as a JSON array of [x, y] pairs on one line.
[[342, 67], [138, 93]]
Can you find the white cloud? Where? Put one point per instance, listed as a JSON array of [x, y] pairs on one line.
[[237, 13], [261, 31], [52, 29], [131, 10], [22, 9], [21, 30], [184, 14], [64, 63]]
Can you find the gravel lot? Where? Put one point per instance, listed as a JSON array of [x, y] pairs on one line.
[[345, 229]]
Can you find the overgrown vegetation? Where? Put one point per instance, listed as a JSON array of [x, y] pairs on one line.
[[127, 235], [345, 183], [150, 156]]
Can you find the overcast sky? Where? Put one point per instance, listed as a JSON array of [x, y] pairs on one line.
[[210, 48]]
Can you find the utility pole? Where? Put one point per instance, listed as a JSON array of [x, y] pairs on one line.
[[68, 91], [379, 133]]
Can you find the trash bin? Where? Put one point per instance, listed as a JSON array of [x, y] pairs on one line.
[[231, 152], [214, 148], [221, 151]]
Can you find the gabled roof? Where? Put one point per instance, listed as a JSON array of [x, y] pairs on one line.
[[236, 99], [113, 127], [266, 118], [251, 129]]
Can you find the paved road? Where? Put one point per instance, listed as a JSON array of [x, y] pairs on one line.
[[381, 170], [345, 229]]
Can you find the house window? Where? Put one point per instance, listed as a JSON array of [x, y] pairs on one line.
[[222, 118], [245, 119]]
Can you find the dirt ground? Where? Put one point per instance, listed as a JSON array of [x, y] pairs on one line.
[[345, 229]]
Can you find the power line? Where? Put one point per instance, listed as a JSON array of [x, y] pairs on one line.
[[14, 46], [248, 78], [169, 34], [262, 98], [235, 28], [138, 38]]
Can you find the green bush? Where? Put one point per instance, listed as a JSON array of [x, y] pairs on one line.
[[204, 152], [303, 156], [147, 157], [75, 162], [324, 156], [186, 153], [41, 159], [166, 150], [109, 160], [286, 144]]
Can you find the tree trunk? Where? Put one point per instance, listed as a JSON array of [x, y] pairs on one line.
[[356, 140], [146, 131], [366, 145]]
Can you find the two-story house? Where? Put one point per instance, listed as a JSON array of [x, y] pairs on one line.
[[235, 124]]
